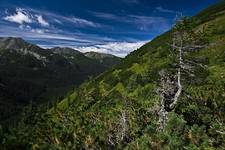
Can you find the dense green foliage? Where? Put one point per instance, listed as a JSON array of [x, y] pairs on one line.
[[92, 116]]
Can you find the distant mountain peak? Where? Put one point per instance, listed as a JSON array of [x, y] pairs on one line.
[[98, 55], [107, 59], [15, 43], [65, 50]]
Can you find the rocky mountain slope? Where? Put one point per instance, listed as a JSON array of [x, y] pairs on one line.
[[120, 108], [29, 73]]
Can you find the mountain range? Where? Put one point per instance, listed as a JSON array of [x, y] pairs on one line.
[[30, 73], [120, 108]]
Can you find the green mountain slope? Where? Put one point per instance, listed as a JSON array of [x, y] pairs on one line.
[[105, 59], [30, 73], [118, 109]]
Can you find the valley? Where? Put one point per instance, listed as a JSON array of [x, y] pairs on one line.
[[30, 74]]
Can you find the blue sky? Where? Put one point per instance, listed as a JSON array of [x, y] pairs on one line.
[[109, 26]]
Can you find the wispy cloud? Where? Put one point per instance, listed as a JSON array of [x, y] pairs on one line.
[[23, 16], [44, 18], [48, 27], [19, 17], [61, 19], [83, 22], [42, 21], [108, 16], [54, 37], [131, 1], [144, 23], [57, 21], [164, 10]]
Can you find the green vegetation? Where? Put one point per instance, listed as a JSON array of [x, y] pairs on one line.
[[105, 59], [119, 108], [30, 73]]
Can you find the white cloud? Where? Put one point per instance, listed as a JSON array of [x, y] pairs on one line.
[[83, 22], [29, 15], [28, 28], [120, 49], [24, 27], [108, 16], [39, 31], [164, 10], [57, 21], [42, 21], [19, 17]]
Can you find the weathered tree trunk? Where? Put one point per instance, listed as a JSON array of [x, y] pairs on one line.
[[184, 39], [124, 125], [163, 115], [178, 93], [170, 97]]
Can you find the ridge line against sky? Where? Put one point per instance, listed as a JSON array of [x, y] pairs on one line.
[[116, 27]]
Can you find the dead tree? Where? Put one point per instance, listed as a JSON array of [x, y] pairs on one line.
[[124, 120], [167, 90], [185, 39], [119, 134]]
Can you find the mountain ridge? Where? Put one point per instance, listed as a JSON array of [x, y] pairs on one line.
[[119, 109], [15, 43], [30, 73], [107, 59]]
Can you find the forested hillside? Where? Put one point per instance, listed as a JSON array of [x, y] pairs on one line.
[[124, 107], [30, 74]]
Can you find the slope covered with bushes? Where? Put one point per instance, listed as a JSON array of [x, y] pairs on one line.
[[119, 108]]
